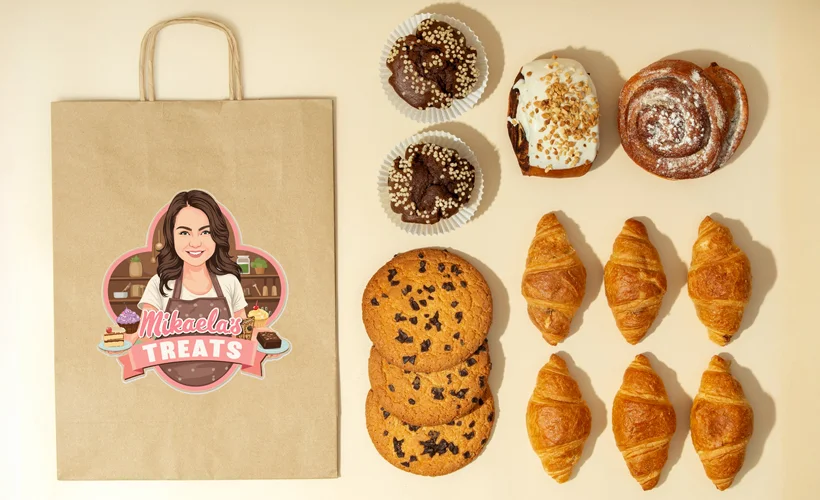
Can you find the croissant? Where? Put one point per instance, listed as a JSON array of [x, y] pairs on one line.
[[643, 421], [721, 422], [720, 281], [558, 419], [554, 280], [634, 281]]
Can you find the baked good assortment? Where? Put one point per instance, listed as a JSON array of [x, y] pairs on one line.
[[430, 183], [643, 421], [554, 280], [432, 67], [679, 121], [430, 408], [722, 422], [558, 419], [720, 281], [634, 281], [552, 118]]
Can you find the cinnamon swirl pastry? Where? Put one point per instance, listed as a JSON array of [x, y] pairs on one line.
[[679, 121]]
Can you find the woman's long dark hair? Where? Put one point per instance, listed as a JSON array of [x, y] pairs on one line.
[[169, 265]]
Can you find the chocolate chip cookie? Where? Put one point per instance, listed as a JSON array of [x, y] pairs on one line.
[[433, 67], [429, 183], [430, 450], [430, 398], [427, 310]]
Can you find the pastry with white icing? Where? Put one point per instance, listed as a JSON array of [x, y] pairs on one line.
[[553, 118]]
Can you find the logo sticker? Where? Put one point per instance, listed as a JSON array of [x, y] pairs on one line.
[[195, 305]]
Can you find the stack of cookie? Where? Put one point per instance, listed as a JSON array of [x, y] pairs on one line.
[[430, 409]]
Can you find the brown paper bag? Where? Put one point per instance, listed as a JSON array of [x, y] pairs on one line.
[[235, 200]]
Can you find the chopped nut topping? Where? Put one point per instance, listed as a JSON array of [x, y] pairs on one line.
[[563, 112]]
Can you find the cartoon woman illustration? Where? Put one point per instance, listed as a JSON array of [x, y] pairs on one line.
[[195, 274]]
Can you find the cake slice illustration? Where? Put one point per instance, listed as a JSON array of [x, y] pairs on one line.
[[114, 336]]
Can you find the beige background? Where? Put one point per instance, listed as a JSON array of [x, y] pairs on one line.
[[767, 194]]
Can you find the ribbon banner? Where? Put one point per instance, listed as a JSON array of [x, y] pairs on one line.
[[192, 348]]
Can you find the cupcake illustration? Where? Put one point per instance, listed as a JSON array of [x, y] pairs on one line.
[[129, 320], [260, 316]]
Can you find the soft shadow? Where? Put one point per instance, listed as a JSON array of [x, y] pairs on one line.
[[673, 266], [488, 159], [764, 269], [683, 406], [595, 271], [485, 31], [756, 90], [501, 317], [608, 84], [597, 409], [764, 414]]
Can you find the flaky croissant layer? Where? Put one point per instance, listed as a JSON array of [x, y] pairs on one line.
[[722, 422], [719, 281], [558, 419], [643, 421], [554, 280], [634, 281]]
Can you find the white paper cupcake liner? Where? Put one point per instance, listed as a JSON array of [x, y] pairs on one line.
[[459, 106], [462, 216]]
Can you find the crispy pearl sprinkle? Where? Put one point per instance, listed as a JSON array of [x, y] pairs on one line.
[[430, 183], [433, 67]]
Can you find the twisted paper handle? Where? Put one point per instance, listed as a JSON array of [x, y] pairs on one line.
[[146, 67]]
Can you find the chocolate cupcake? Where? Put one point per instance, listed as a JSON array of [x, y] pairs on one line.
[[433, 67], [429, 183]]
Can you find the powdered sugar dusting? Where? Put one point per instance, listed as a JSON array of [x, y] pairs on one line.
[[670, 119], [721, 117], [736, 129], [674, 123]]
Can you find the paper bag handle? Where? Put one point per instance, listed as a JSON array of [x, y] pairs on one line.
[[149, 42]]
